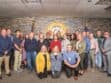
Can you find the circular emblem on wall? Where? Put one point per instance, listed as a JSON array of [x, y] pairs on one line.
[[57, 28]]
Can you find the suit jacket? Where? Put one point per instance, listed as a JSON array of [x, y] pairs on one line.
[[107, 46]]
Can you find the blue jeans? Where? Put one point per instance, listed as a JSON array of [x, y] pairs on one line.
[[99, 59], [31, 60]]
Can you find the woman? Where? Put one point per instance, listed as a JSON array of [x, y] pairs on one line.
[[93, 50], [73, 41], [64, 43], [43, 64], [80, 47], [55, 42], [56, 61], [24, 59]]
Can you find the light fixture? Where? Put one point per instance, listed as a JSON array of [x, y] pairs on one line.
[[89, 0], [31, 1]]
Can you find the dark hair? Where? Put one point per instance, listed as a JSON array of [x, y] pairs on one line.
[[17, 31], [74, 36]]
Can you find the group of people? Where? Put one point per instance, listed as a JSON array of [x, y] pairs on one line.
[[71, 53]]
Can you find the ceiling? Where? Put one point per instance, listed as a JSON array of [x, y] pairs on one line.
[[76, 8]]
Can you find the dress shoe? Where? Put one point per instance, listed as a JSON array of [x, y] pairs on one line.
[[8, 74], [75, 78], [0, 77], [109, 75]]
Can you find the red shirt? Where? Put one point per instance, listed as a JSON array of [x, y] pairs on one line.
[[55, 43]]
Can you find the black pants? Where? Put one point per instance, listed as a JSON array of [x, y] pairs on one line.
[[11, 60], [71, 71], [42, 75], [86, 60]]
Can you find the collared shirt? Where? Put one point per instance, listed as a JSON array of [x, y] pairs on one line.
[[5, 45], [17, 41], [87, 41], [30, 45], [94, 45], [71, 57], [64, 44], [56, 62]]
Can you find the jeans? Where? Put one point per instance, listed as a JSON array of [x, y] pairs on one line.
[[86, 60], [99, 59], [56, 74], [31, 60]]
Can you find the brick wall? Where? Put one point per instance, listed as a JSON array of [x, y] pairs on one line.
[[41, 23]]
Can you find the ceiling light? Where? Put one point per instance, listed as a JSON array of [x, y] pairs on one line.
[[31, 1]]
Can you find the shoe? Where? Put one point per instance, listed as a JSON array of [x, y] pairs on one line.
[[75, 78], [8, 74], [109, 75], [19, 70], [0, 77]]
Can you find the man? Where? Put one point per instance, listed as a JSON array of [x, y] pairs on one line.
[[87, 49], [31, 47], [41, 41], [107, 53], [99, 55], [17, 52], [47, 40], [5, 48], [71, 61], [11, 61]]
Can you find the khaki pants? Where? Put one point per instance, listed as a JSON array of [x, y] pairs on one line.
[[18, 59], [81, 65], [92, 58], [6, 62]]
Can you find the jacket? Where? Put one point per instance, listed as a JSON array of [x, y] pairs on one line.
[[40, 62]]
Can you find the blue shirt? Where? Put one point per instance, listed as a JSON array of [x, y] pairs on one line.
[[71, 57], [30, 45], [5, 45], [56, 62], [17, 41], [87, 41]]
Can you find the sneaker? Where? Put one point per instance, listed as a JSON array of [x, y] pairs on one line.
[[109, 75]]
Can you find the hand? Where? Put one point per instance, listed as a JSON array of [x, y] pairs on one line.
[[103, 50], [74, 66], [20, 50]]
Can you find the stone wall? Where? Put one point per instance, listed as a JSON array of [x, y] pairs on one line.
[[41, 23]]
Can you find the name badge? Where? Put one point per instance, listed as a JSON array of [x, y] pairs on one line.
[[69, 59]]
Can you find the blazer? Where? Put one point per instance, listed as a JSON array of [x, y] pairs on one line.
[[107, 46], [80, 47]]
